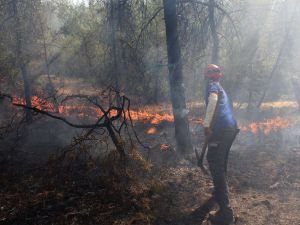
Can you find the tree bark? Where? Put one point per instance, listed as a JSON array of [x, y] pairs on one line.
[[50, 86], [20, 60], [114, 44], [215, 39], [182, 132], [296, 88]]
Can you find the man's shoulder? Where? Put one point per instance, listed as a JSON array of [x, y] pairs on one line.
[[214, 86]]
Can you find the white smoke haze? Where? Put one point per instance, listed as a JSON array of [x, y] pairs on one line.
[[256, 37], [83, 47]]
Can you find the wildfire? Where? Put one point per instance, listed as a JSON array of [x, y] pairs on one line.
[[165, 147], [152, 130], [152, 116], [267, 126], [36, 102], [165, 117], [81, 110]]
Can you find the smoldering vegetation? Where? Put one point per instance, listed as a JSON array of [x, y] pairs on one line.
[[87, 130]]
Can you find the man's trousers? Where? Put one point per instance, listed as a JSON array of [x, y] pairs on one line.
[[217, 157]]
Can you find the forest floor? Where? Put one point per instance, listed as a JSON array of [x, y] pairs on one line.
[[264, 183], [263, 177]]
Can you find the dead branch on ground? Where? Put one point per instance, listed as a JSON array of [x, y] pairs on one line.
[[114, 118]]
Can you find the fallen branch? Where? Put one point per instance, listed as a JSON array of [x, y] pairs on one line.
[[106, 121]]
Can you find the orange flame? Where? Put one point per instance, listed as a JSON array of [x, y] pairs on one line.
[[157, 118], [152, 130], [35, 102], [267, 126], [152, 116], [165, 147]]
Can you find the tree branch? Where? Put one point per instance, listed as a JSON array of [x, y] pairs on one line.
[[219, 8]]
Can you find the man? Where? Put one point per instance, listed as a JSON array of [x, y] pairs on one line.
[[220, 128]]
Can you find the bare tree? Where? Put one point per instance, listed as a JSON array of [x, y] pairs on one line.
[[282, 50], [21, 57], [182, 132], [215, 39]]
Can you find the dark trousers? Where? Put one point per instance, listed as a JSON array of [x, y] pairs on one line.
[[217, 157]]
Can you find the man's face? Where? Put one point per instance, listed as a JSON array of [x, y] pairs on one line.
[[207, 79]]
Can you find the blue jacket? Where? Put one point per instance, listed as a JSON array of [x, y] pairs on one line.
[[224, 117]]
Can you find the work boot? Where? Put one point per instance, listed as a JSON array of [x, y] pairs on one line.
[[222, 217]]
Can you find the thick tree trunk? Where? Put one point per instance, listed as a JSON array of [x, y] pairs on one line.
[[215, 39], [114, 44], [182, 132]]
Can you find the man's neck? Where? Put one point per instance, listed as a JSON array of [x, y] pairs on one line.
[[213, 81]]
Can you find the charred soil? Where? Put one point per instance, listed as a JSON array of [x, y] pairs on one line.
[[154, 186]]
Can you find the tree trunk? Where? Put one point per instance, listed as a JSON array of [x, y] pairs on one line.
[[296, 88], [215, 39], [50, 86], [182, 132], [20, 60], [27, 92], [114, 45], [283, 49], [274, 70], [115, 30]]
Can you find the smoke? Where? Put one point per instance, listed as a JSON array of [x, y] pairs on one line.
[[258, 49], [254, 35]]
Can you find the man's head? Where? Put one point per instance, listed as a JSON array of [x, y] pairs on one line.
[[212, 72]]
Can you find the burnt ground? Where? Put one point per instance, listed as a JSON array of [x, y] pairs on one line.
[[264, 189], [263, 176]]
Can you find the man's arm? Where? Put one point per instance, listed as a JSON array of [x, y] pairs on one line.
[[210, 110]]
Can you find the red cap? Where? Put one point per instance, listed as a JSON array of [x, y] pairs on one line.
[[213, 71]]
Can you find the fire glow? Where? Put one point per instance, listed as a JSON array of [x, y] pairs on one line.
[[153, 118], [266, 126], [152, 130], [89, 111], [164, 147], [36, 102]]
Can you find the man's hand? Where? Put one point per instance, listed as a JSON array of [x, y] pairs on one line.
[[208, 132]]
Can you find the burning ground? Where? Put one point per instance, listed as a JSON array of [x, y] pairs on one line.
[[263, 174]]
